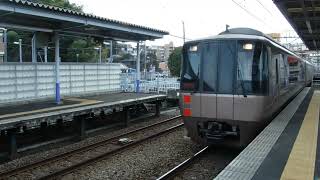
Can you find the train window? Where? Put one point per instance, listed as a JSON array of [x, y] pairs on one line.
[[277, 71], [226, 67], [302, 72], [210, 59], [294, 69], [252, 70], [191, 68], [284, 72]]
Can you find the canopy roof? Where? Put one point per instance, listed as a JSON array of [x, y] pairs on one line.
[[19, 14], [304, 17]]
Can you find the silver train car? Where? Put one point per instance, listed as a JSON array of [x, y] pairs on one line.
[[233, 84]]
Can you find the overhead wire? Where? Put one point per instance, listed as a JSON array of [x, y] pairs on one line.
[[264, 7], [179, 36], [248, 12]]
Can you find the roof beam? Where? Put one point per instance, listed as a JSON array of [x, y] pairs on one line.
[[26, 28], [300, 10], [307, 21], [314, 18]]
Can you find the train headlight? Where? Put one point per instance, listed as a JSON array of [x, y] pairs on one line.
[[247, 46], [193, 48]]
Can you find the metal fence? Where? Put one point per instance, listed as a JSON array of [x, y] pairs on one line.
[[27, 81], [150, 83]]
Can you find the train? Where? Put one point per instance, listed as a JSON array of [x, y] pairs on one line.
[[234, 83]]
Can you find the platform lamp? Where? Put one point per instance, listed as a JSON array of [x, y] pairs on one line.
[[20, 49], [77, 57]]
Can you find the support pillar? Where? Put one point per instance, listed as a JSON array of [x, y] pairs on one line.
[[44, 130], [126, 116], [100, 54], [20, 50], [5, 43], [45, 49], [138, 69], [12, 144], [80, 122], [111, 52], [158, 105], [145, 58], [34, 48], [59, 124], [57, 59]]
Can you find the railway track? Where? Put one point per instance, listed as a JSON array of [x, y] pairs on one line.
[[182, 166], [70, 161]]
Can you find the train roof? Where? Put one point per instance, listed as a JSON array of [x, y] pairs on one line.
[[247, 33]]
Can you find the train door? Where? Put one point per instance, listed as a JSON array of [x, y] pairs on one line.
[[274, 78], [210, 54], [226, 80], [218, 63]]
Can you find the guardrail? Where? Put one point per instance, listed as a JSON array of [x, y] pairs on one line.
[[149, 85]]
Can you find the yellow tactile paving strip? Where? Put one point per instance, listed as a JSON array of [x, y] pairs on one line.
[[301, 161], [82, 102]]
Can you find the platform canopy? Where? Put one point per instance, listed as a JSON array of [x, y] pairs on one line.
[[19, 14], [304, 17]]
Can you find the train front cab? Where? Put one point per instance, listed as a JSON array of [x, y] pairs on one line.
[[231, 88]]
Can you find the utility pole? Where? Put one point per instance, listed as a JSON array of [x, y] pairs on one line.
[[184, 32]]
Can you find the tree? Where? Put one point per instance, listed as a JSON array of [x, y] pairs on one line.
[[60, 3], [152, 61], [174, 61], [13, 49]]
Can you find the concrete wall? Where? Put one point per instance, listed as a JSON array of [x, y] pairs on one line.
[[28, 81]]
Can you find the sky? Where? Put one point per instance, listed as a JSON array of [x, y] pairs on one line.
[[202, 18]]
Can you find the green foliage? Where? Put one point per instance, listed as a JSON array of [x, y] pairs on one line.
[[79, 44], [12, 36], [61, 3], [125, 56], [12, 48], [152, 61], [174, 62], [83, 50]]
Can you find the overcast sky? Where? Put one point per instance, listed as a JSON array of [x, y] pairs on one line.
[[202, 17]]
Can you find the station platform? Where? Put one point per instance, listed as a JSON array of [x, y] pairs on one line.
[[288, 148], [32, 114]]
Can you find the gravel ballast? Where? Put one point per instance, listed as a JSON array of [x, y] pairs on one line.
[[50, 151], [146, 161], [210, 165]]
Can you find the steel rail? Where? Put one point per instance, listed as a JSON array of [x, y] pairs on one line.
[[70, 169], [174, 171], [80, 150]]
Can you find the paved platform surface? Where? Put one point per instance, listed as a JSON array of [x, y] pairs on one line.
[[287, 148], [20, 114]]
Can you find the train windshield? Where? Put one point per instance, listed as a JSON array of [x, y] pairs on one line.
[[191, 68], [252, 74], [220, 62]]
